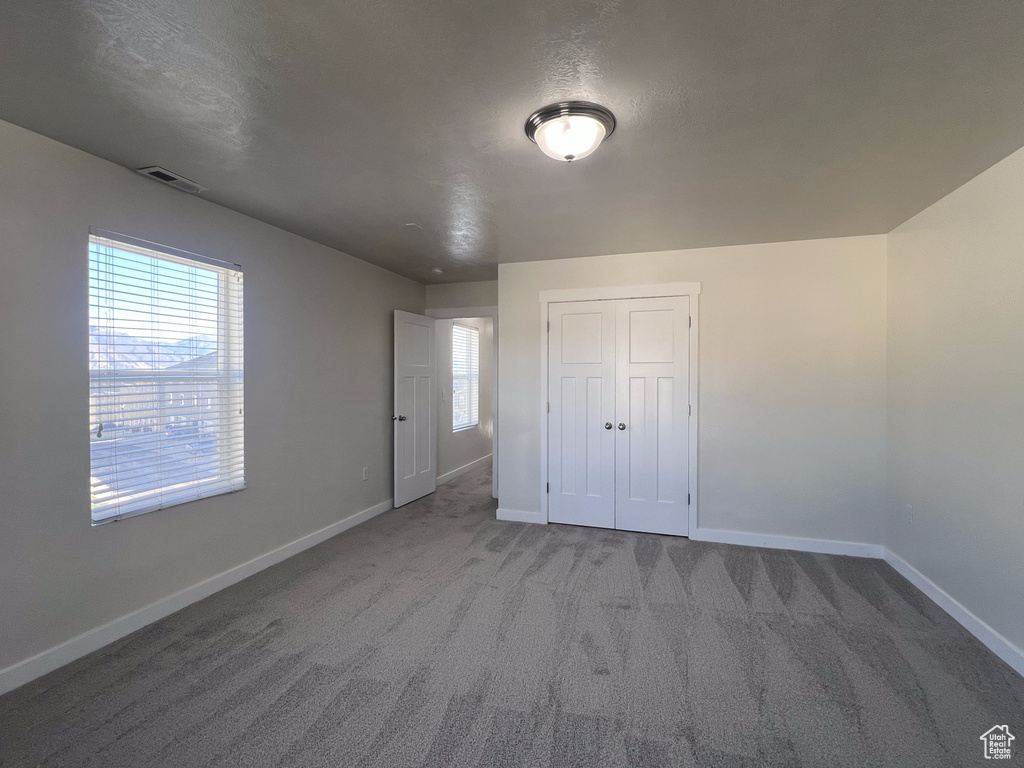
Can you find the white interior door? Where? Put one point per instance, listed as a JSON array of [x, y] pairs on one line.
[[652, 426], [581, 436], [415, 414]]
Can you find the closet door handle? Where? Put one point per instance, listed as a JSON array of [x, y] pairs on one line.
[[621, 425], [607, 425]]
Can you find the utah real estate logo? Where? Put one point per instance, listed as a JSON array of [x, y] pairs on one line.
[[997, 742]]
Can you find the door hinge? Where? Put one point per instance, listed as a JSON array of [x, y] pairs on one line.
[[687, 499], [691, 321], [549, 407], [689, 410], [547, 488], [549, 326]]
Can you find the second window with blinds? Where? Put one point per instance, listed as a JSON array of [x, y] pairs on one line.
[[465, 377]]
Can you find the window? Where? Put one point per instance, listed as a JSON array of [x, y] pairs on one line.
[[465, 377], [165, 377]]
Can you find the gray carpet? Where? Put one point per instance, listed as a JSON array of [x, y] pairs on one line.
[[435, 635]]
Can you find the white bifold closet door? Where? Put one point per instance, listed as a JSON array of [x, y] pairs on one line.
[[581, 392], [618, 428], [652, 386]]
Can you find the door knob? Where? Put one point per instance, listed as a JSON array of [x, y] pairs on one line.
[[401, 418], [621, 425], [607, 425]]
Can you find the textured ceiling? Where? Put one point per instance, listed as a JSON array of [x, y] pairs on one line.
[[346, 120]]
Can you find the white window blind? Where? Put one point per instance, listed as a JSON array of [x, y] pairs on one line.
[[165, 377], [465, 377]]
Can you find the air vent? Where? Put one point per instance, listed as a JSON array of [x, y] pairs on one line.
[[171, 179]]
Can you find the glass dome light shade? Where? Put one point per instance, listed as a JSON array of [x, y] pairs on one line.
[[570, 130], [570, 137]]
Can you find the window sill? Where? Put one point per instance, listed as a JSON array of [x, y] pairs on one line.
[[157, 507]]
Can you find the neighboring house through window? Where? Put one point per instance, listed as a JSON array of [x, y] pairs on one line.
[[165, 377], [465, 377]]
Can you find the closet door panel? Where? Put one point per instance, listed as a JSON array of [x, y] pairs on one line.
[[652, 384], [581, 388]]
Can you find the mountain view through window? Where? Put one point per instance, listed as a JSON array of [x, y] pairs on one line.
[[165, 359]]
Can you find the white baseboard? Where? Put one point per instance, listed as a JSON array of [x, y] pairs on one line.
[[520, 516], [29, 669], [442, 479], [824, 546], [995, 642]]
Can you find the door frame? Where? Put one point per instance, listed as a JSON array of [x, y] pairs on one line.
[[610, 293], [455, 313]]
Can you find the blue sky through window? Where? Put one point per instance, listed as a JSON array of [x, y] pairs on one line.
[[149, 312], [137, 294]]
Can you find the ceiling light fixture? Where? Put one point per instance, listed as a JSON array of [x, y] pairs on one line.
[[436, 271], [570, 130]]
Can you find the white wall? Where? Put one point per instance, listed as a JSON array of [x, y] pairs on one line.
[[456, 450], [317, 385], [458, 295], [792, 369], [956, 395]]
